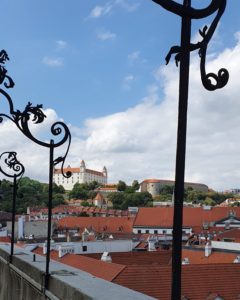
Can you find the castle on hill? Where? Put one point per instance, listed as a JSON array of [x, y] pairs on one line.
[[80, 175]]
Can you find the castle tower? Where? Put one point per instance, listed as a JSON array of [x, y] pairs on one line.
[[82, 166], [104, 171]]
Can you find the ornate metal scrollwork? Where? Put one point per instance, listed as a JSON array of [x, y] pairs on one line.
[[32, 114], [10, 166], [210, 81]]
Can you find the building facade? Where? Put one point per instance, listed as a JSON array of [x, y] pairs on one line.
[[80, 175], [154, 186]]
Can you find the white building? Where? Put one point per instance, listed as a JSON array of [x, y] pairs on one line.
[[80, 175]]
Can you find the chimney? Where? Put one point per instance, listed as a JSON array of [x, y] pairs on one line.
[[61, 252], [151, 244], [106, 257], [68, 238], [85, 236], [185, 261], [45, 248], [21, 227], [208, 250], [237, 260]]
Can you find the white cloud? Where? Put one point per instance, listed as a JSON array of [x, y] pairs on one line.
[[129, 6], [61, 44], [104, 10], [127, 81], [140, 142], [104, 35], [134, 56], [52, 62], [99, 11]]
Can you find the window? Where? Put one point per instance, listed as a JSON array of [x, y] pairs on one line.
[[84, 248], [164, 231], [147, 231], [155, 231], [139, 231]]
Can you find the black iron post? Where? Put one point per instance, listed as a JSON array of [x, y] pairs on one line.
[[11, 167], [51, 155], [180, 156], [35, 115], [13, 216], [211, 82]]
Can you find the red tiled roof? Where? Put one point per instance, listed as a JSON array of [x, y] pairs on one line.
[[198, 281], [104, 270], [94, 172], [198, 257], [192, 216], [65, 170], [231, 234], [99, 197], [199, 229], [77, 170], [99, 224], [162, 257], [5, 239]]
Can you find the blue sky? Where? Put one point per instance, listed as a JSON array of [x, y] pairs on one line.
[[91, 60]]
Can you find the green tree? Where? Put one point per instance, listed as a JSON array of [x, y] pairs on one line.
[[117, 199], [78, 192], [135, 185], [58, 189], [121, 186], [209, 201]]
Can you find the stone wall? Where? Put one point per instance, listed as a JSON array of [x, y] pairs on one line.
[[23, 279]]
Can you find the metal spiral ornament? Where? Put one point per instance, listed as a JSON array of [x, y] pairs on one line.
[[210, 81], [10, 166]]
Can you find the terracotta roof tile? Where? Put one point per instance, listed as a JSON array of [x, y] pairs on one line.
[[231, 234], [192, 216], [162, 257], [198, 257], [104, 270], [5, 239], [77, 170], [99, 224], [65, 170], [198, 281]]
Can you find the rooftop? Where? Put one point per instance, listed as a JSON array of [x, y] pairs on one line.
[[192, 216], [99, 224]]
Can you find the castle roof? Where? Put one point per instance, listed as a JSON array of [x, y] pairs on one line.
[[77, 170]]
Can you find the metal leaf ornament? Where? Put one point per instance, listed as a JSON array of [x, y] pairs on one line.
[[210, 81]]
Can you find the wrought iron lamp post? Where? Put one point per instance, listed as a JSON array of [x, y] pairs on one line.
[[35, 115], [211, 82], [11, 167]]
